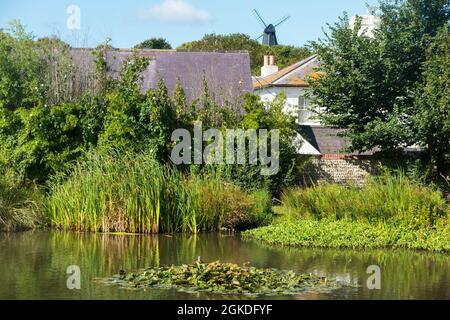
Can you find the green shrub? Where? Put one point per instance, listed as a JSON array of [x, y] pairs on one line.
[[21, 68], [21, 207], [245, 211]]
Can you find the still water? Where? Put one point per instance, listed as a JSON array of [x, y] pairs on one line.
[[33, 266]]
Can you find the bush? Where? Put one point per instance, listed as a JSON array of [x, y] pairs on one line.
[[245, 211], [48, 139], [21, 208]]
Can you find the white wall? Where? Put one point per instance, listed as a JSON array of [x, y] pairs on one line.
[[292, 95]]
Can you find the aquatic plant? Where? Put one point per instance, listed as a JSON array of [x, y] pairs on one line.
[[135, 193], [224, 278], [350, 234]]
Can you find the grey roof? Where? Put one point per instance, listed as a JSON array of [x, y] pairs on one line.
[[227, 74], [327, 140]]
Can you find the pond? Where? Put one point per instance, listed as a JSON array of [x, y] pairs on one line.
[[33, 266]]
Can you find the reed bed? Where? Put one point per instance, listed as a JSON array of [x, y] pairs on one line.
[[134, 193], [386, 199], [390, 211]]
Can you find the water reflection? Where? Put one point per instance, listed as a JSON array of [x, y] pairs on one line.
[[33, 265]]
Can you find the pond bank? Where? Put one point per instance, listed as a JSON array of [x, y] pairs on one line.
[[349, 234], [390, 211]]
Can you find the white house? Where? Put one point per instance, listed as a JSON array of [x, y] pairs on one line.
[[330, 161], [292, 81]]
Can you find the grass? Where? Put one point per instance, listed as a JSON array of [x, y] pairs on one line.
[[388, 198], [133, 193], [389, 212], [20, 206]]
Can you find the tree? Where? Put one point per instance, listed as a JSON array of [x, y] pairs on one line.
[[136, 121], [21, 69], [59, 75], [284, 55], [154, 43], [432, 102], [367, 84], [231, 42]]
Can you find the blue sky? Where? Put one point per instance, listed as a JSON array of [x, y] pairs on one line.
[[129, 22]]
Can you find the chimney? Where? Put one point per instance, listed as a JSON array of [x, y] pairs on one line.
[[269, 66]]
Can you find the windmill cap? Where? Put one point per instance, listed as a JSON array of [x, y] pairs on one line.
[[270, 28]]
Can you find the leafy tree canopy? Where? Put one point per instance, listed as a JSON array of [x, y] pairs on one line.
[[284, 55], [154, 43], [431, 121], [369, 84]]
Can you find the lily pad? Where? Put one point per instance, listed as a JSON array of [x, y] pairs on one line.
[[222, 278]]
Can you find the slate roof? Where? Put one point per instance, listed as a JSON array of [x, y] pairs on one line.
[[227, 74], [326, 140], [295, 75]]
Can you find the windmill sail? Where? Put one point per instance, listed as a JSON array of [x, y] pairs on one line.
[[269, 36]]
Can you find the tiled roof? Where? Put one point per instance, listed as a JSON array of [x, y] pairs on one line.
[[327, 140], [293, 76], [227, 74]]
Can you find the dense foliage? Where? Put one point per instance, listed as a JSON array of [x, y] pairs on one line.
[[284, 55], [154, 43], [44, 134], [431, 121], [379, 87], [345, 234], [53, 118], [20, 208]]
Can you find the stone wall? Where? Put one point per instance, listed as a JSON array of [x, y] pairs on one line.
[[339, 169]]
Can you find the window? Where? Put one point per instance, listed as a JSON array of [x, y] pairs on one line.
[[304, 112]]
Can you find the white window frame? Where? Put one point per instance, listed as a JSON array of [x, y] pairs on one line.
[[304, 109]]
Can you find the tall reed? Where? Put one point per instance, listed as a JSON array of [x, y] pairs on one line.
[[388, 198], [134, 193]]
